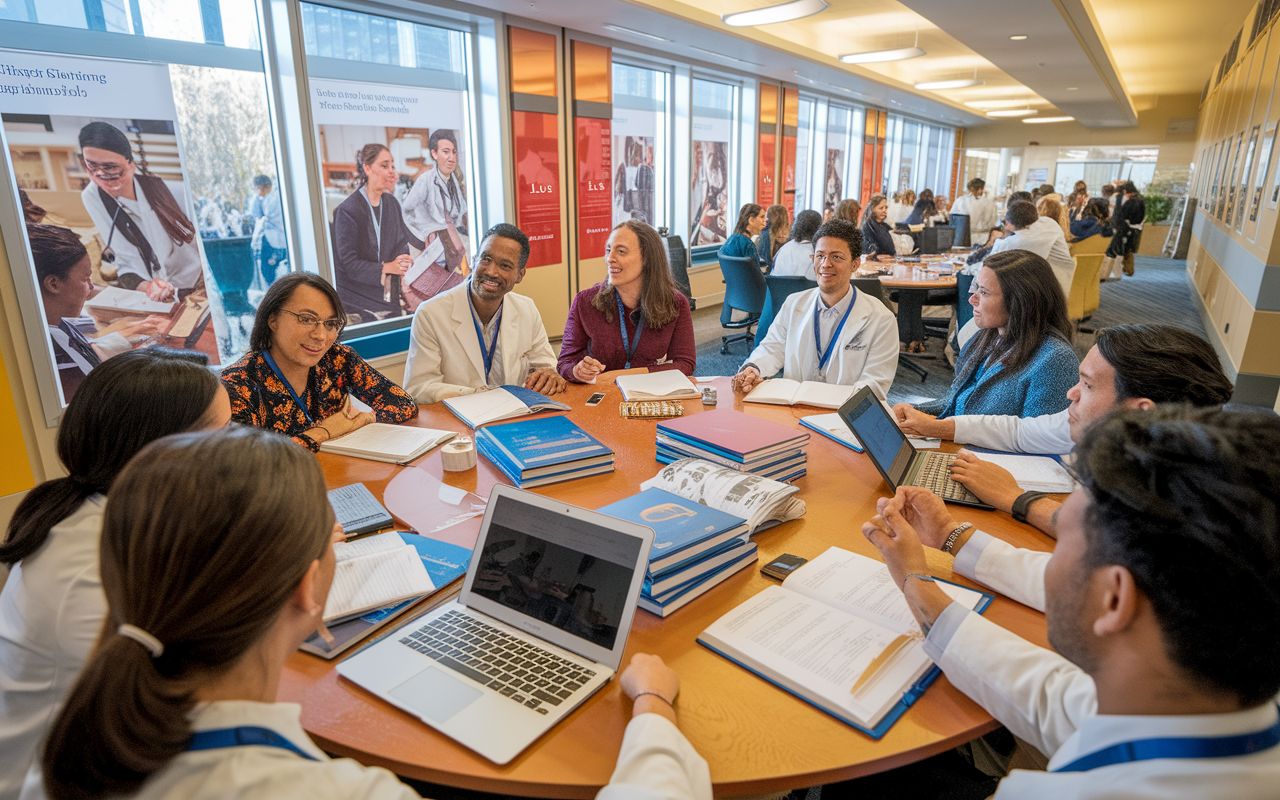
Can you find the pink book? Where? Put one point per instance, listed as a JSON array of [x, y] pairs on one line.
[[733, 434]]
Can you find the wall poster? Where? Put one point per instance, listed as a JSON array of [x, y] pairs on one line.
[[833, 183], [711, 217], [537, 153], [595, 180], [388, 259], [1245, 175], [789, 174], [634, 184], [115, 256], [764, 181]]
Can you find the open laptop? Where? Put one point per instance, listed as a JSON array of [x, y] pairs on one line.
[[540, 625], [899, 462]]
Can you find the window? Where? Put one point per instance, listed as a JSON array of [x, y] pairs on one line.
[[640, 130], [805, 151], [714, 127]]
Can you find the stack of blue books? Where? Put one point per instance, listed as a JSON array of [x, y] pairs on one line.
[[695, 547], [536, 452]]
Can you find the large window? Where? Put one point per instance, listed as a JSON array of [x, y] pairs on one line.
[[641, 134], [842, 173], [714, 122], [806, 151]]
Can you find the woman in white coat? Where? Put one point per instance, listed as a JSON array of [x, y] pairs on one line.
[[204, 611], [51, 608], [145, 232]]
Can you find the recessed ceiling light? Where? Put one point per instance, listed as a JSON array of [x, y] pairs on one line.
[[782, 12], [1073, 88], [1012, 112], [629, 31], [1018, 37], [1038, 120], [961, 83], [877, 56], [722, 55]]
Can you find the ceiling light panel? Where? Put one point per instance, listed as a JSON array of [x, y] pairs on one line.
[[879, 56], [960, 83], [632, 32], [1038, 120], [769, 15], [1012, 112]]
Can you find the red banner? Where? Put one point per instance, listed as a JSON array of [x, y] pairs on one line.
[[764, 187], [537, 151], [789, 174], [595, 196]]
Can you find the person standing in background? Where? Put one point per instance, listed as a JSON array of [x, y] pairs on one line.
[[267, 211], [1131, 213], [980, 208], [633, 184]]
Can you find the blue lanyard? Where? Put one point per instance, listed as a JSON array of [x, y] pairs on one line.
[[1177, 747], [825, 355], [377, 221], [271, 362], [627, 345], [244, 736], [487, 352]]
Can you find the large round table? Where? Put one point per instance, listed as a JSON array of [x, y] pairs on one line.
[[756, 737]]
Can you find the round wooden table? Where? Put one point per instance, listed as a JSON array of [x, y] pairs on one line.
[[756, 737]]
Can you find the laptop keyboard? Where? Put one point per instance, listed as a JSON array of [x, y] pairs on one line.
[[512, 667], [935, 475]]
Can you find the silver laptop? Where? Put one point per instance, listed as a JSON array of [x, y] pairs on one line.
[[899, 462], [540, 625]]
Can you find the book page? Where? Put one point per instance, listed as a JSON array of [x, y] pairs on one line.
[[395, 441], [824, 395], [1033, 473], [665, 384], [777, 391], [863, 587], [822, 649], [116, 299], [489, 406], [755, 499], [370, 545], [833, 425], [376, 579]]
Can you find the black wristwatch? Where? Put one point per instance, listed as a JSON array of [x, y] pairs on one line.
[[1023, 503]]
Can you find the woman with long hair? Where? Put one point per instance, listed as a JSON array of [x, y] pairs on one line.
[[849, 210], [635, 319], [149, 241], [751, 220], [901, 207], [795, 258], [51, 608], [923, 212], [371, 240], [1095, 221], [1020, 363], [203, 612], [877, 235], [775, 234], [1047, 206], [298, 380], [1077, 200]]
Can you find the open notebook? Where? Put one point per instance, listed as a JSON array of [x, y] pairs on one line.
[[667, 384], [838, 634], [378, 441], [785, 392], [372, 573]]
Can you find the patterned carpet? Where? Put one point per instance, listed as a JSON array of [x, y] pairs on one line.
[[1158, 292]]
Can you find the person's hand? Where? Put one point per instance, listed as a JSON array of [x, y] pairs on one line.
[[746, 380], [898, 544], [397, 266], [992, 484], [340, 423], [149, 326], [918, 423], [924, 511], [587, 369], [546, 381], [348, 409], [648, 673], [158, 289]]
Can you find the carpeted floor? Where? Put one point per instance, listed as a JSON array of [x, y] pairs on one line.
[[1158, 292]]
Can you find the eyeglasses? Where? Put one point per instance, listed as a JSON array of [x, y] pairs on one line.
[[834, 258], [108, 172], [311, 321]]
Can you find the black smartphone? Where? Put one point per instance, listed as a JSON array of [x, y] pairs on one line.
[[594, 400], [783, 565]]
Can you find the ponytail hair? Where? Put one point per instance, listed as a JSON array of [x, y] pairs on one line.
[[123, 404], [365, 156], [206, 536]]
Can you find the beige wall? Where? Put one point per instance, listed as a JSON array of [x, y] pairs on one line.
[[1152, 128]]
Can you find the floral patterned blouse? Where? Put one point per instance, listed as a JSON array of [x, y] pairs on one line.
[[260, 398]]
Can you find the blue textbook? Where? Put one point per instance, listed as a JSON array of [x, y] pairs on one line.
[[537, 451], [683, 529], [838, 634], [738, 557]]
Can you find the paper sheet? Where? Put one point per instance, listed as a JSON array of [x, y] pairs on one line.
[[375, 580], [1033, 473]]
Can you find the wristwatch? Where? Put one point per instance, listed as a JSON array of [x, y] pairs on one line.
[[1023, 503]]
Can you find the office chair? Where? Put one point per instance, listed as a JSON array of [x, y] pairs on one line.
[[744, 291], [678, 258], [873, 288], [779, 288], [964, 237]]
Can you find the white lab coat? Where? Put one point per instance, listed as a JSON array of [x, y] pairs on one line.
[[51, 610], [1052, 704], [982, 214], [430, 206], [655, 762], [1049, 434], [444, 353], [179, 263], [1015, 572], [1044, 238], [866, 352]]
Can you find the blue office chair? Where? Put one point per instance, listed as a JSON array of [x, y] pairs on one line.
[[779, 289], [744, 291]]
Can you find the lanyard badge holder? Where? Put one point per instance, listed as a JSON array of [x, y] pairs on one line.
[[824, 356], [628, 346]]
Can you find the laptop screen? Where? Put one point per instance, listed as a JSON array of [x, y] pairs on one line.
[[877, 431], [561, 571]]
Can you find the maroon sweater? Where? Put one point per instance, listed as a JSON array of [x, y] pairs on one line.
[[588, 333]]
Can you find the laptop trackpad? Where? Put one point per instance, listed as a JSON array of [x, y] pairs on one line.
[[435, 695]]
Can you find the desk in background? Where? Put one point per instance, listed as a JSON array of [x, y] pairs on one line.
[[756, 737]]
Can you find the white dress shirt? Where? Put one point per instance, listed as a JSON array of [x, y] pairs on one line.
[[179, 263], [51, 610], [1014, 572], [982, 214], [1053, 704], [866, 352], [1044, 238], [656, 762], [1049, 434], [794, 260], [444, 353]]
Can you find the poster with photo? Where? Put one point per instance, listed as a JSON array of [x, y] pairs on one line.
[[393, 170], [114, 253], [634, 180], [833, 181], [711, 217]]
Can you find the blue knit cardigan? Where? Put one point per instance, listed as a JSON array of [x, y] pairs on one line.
[[1038, 388]]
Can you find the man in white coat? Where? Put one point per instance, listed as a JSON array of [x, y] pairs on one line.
[[477, 335], [1039, 235], [857, 337], [1163, 604]]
